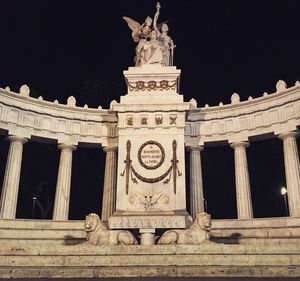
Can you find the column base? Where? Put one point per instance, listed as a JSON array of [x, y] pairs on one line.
[[147, 236]]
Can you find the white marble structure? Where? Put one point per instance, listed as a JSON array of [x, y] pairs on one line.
[[160, 116], [144, 137], [276, 114], [10, 187], [151, 176], [63, 185]]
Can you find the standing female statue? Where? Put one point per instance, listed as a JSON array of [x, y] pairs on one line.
[[153, 46]]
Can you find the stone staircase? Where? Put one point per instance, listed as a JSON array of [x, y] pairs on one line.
[[207, 260], [238, 248]]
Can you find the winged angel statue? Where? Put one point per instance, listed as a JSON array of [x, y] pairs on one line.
[[155, 46]]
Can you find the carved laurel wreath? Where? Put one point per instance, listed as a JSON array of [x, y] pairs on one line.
[[130, 172], [152, 85], [162, 155]]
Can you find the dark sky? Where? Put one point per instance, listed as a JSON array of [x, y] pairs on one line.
[[66, 47]]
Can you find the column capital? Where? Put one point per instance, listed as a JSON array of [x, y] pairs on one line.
[[290, 134], [194, 147], [19, 139], [66, 146], [239, 144], [110, 148]]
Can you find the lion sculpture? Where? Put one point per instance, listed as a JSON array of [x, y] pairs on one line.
[[98, 234], [195, 235]]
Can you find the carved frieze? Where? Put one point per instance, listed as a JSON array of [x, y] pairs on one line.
[[152, 85], [172, 221]]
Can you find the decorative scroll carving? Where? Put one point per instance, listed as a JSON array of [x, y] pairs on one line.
[[152, 85], [149, 202], [159, 149], [129, 170]]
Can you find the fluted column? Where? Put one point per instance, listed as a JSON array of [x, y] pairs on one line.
[[63, 184], [292, 171], [10, 189], [109, 190], [242, 182], [196, 184]]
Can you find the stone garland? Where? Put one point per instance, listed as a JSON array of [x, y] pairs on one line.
[[130, 171], [152, 85]]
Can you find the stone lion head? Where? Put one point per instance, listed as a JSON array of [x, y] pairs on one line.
[[92, 223], [204, 221]]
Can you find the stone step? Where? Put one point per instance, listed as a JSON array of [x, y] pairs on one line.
[[41, 224], [207, 260], [156, 273], [255, 231], [203, 249], [41, 234]]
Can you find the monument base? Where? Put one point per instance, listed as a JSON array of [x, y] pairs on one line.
[[208, 260], [148, 223]]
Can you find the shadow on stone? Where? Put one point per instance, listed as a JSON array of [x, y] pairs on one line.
[[71, 240], [234, 238]]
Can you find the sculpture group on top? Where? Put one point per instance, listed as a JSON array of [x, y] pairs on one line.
[[155, 46]]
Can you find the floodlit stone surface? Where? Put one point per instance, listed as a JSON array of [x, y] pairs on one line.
[[242, 182], [10, 188], [55, 249], [276, 113], [63, 185], [150, 261], [151, 180]]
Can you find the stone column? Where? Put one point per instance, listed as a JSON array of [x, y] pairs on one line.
[[9, 196], [109, 189], [242, 182], [63, 184], [196, 184], [292, 171]]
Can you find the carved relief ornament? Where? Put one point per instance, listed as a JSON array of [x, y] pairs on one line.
[[130, 172], [152, 147], [152, 85]]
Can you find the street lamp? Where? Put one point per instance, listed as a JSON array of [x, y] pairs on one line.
[[283, 192], [205, 205], [34, 198]]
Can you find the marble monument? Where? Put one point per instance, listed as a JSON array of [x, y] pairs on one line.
[[145, 136]]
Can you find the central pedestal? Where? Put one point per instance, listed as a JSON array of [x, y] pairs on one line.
[[151, 164]]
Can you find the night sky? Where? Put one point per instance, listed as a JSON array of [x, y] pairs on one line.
[[80, 48]]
